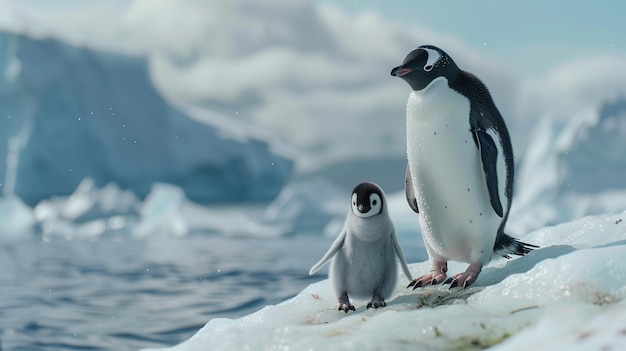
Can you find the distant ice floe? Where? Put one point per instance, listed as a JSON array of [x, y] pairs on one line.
[[88, 213], [314, 206], [93, 213], [16, 219], [308, 206]]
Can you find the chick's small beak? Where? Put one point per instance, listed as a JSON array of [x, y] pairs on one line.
[[400, 71]]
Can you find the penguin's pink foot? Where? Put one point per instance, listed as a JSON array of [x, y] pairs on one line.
[[436, 276], [466, 278], [376, 302]]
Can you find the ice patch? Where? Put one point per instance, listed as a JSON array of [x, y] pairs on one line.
[[160, 214], [308, 205], [92, 213], [88, 213], [16, 219]]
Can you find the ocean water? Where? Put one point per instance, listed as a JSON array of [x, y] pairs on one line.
[[127, 294]]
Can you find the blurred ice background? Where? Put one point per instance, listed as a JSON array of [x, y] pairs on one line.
[[246, 123]]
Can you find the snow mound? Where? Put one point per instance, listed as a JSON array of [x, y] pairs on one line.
[[568, 294], [71, 112]]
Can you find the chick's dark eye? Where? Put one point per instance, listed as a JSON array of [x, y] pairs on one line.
[[374, 202]]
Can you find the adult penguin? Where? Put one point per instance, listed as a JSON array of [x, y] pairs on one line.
[[460, 167]]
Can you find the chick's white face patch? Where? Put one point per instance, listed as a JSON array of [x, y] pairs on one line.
[[375, 206], [433, 58]]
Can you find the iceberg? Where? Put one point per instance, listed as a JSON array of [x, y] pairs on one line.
[[568, 294], [574, 169], [71, 112]]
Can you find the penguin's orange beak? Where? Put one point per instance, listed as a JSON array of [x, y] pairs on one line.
[[400, 71]]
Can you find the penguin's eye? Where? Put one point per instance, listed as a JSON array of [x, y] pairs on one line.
[[376, 202], [428, 68], [354, 203]]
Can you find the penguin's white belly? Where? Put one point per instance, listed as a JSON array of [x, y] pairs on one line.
[[456, 216], [363, 268]]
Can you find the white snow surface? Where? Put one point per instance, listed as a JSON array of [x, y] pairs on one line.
[[567, 295]]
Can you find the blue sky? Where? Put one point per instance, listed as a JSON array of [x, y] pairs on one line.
[[556, 31]]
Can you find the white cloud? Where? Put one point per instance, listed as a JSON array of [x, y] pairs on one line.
[[311, 71], [574, 86]]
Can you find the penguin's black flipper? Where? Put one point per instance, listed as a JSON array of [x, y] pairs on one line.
[[489, 158], [409, 191]]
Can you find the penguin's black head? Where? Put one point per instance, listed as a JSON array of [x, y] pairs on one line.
[[423, 65], [367, 200]]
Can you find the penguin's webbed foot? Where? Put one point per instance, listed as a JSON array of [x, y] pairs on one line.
[[427, 279], [345, 307], [436, 276], [376, 302], [466, 278], [344, 303]]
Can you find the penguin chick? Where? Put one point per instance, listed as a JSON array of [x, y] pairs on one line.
[[459, 177], [364, 254]]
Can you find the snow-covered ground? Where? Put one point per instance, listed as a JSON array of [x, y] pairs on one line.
[[568, 294]]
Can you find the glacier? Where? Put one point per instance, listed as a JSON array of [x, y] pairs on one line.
[[71, 112], [560, 296], [572, 169]]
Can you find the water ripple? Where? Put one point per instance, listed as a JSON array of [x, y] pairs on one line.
[[132, 294]]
